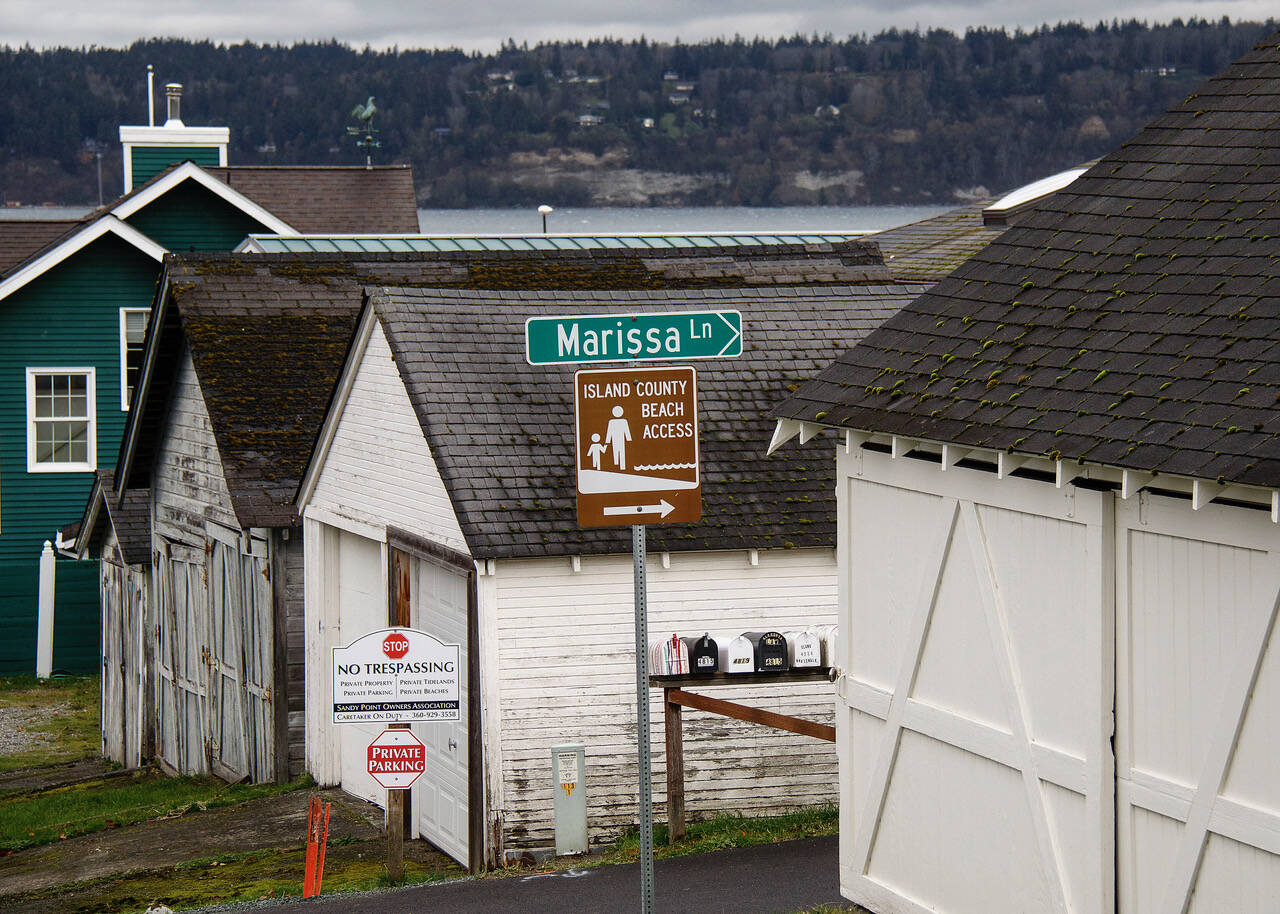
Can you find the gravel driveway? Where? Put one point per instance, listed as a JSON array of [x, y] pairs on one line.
[[16, 732]]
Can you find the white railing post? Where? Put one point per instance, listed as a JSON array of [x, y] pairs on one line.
[[44, 622]]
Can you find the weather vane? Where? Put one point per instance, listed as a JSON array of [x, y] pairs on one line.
[[368, 135]]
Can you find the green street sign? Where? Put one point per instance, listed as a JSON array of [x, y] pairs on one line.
[[661, 335]]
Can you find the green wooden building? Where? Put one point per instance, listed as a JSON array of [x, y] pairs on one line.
[[74, 301]]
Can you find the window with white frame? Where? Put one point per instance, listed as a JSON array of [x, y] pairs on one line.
[[133, 332], [61, 432]]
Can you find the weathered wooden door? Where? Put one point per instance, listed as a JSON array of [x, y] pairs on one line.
[[134, 655], [1198, 709], [181, 671], [114, 708], [439, 598], [123, 600], [241, 626], [975, 709]]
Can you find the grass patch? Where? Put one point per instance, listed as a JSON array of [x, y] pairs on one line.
[[236, 877], [725, 831], [66, 727], [30, 819]]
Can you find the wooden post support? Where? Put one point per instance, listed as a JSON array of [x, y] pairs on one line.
[[397, 804], [673, 719], [395, 834]]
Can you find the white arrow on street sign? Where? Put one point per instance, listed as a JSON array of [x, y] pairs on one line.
[[663, 507]]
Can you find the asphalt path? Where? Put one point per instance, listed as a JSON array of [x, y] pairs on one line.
[[786, 877]]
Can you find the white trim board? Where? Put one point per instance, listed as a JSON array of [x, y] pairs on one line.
[[77, 242], [190, 171], [311, 476]]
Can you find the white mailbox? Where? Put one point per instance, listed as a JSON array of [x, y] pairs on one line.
[[828, 634], [737, 654], [804, 649]]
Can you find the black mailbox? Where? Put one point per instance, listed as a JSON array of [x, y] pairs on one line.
[[771, 651], [704, 655]]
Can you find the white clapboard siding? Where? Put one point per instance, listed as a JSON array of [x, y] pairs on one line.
[[379, 471], [566, 671], [188, 487]]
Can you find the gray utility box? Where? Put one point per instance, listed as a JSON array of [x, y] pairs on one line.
[[569, 777]]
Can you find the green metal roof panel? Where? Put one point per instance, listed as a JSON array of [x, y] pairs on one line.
[[291, 244]]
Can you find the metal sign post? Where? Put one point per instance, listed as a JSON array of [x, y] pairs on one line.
[[642, 721], [636, 435]]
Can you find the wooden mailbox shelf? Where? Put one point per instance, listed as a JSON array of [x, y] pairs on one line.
[[676, 697], [814, 674]]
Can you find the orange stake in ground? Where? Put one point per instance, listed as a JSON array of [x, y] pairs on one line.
[[317, 839]]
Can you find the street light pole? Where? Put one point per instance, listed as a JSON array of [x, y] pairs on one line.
[[544, 210]]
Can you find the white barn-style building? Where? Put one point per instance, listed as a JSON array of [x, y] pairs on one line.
[[444, 477], [1059, 545]]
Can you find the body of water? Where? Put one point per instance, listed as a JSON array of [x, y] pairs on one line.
[[624, 220], [628, 220]]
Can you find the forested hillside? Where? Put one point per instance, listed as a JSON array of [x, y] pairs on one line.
[[898, 117]]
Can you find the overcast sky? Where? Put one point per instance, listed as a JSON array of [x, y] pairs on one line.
[[484, 25]]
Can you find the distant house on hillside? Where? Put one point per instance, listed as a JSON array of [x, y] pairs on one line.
[[74, 299]]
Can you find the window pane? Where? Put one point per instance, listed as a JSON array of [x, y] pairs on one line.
[[135, 327], [44, 445], [78, 442], [61, 418], [134, 335]]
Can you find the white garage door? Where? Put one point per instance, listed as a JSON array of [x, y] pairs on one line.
[[976, 769], [440, 610], [1198, 709], [362, 608]]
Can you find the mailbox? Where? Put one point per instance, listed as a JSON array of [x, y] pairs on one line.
[[704, 655], [804, 649], [737, 655], [669, 657], [828, 634], [770, 651]]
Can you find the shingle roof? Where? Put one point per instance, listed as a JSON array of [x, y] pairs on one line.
[[21, 240], [267, 350], [501, 430], [268, 335], [1132, 320], [330, 199], [928, 250], [130, 517]]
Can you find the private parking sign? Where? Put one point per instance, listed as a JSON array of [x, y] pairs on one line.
[[396, 758]]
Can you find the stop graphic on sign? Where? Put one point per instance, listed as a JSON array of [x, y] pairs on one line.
[[396, 758]]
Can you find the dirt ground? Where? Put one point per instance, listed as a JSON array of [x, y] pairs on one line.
[[130, 868]]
